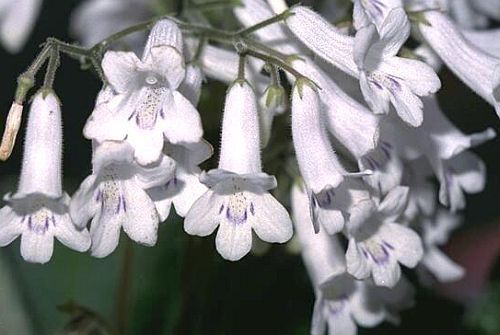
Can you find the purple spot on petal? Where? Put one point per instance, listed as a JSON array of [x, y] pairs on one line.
[[252, 209], [221, 208]]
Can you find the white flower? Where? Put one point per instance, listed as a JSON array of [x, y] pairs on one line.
[[17, 21], [39, 209], [237, 200], [114, 196], [341, 301], [377, 244], [385, 77], [435, 232], [185, 187], [486, 40], [477, 69], [148, 105]]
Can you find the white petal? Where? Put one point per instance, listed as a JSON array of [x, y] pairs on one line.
[[141, 222], [155, 175], [105, 233], [147, 143], [318, 322], [394, 32], [394, 202], [386, 274], [163, 202], [407, 105], [356, 264], [110, 152], [341, 323], [233, 241], [83, 204], [191, 85], [406, 243], [10, 226], [189, 193], [366, 312], [68, 235], [376, 97], [442, 267], [182, 121], [270, 220], [168, 62], [37, 248], [120, 69], [105, 122], [202, 218]]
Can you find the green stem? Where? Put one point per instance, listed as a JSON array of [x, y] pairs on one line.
[[124, 288], [278, 62], [50, 74], [275, 19], [241, 67]]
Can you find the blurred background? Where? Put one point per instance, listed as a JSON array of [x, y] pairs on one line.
[[182, 286]]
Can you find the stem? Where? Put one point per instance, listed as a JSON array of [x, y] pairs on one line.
[[39, 61], [275, 19], [241, 67], [50, 74], [278, 62], [123, 290]]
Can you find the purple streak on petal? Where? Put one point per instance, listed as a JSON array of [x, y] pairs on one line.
[[252, 208], [221, 208]]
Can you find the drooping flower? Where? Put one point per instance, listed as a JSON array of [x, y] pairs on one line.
[[148, 106], [384, 77], [367, 12], [377, 244], [342, 302], [238, 200], [114, 196], [184, 188], [477, 69], [38, 211]]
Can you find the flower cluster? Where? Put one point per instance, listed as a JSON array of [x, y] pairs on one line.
[[367, 132]]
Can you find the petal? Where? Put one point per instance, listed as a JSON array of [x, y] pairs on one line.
[[10, 226], [356, 264], [105, 233], [386, 274], [407, 105], [190, 191], [233, 241], [182, 121], [442, 267], [37, 248], [470, 171], [270, 220], [341, 322], [141, 222], [105, 122], [164, 32], [168, 62], [363, 41], [406, 243], [109, 152], [318, 322], [394, 32], [68, 235], [163, 202], [84, 205], [365, 312], [202, 218], [18, 23], [191, 85], [394, 202], [120, 69], [155, 175], [147, 143], [375, 96], [420, 77]]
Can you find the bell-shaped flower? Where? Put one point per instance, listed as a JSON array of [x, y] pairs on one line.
[[38, 211], [342, 302], [377, 244], [148, 106], [384, 77], [367, 12], [476, 68], [486, 40], [238, 200], [114, 196], [319, 166], [184, 188], [18, 17], [436, 230]]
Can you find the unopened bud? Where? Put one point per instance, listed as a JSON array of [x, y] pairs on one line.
[[11, 129]]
